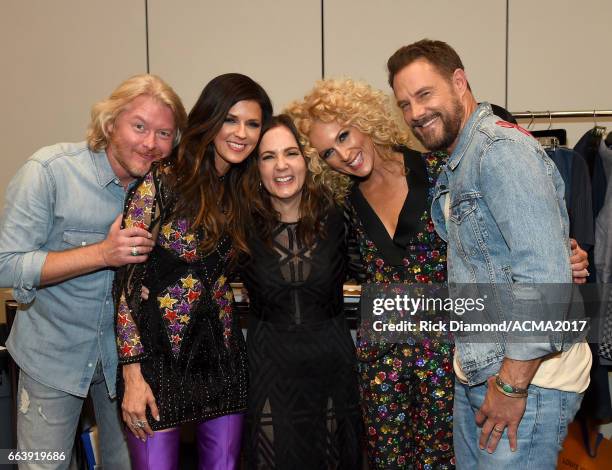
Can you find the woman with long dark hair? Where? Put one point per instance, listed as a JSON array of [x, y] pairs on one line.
[[182, 352], [303, 407]]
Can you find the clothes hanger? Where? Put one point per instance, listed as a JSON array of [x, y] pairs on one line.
[[560, 134], [599, 131]]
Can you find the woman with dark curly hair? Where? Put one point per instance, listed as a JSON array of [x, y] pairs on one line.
[[406, 389], [303, 410], [182, 352]]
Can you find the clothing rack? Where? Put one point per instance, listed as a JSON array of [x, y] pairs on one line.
[[561, 114]]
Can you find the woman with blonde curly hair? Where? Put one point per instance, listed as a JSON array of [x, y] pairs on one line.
[[407, 389]]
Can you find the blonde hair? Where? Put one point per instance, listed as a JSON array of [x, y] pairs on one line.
[[105, 112], [350, 103]]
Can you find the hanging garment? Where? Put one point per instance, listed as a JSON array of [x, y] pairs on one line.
[[578, 197], [588, 147], [603, 223]]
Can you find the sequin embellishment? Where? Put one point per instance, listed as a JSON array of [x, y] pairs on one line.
[[128, 338], [175, 236], [176, 305]]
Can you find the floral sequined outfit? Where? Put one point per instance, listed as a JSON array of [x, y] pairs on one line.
[[190, 347], [407, 389]]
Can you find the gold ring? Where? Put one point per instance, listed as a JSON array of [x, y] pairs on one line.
[[139, 423]]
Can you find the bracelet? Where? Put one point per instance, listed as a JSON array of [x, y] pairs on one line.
[[509, 390]]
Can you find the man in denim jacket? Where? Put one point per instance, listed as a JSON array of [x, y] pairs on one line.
[[60, 238], [499, 204]]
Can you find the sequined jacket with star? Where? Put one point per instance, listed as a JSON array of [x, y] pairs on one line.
[[190, 346]]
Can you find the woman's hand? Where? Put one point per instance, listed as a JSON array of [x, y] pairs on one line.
[[144, 293], [136, 398], [580, 263]]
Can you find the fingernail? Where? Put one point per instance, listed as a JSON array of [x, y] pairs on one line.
[[149, 235], [156, 418]]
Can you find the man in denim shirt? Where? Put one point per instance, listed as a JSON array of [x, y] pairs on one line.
[[60, 238], [499, 204]]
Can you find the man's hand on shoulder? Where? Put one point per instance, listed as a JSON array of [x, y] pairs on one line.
[[125, 246], [120, 247]]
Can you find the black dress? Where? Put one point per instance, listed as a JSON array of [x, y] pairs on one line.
[[303, 410], [190, 347]]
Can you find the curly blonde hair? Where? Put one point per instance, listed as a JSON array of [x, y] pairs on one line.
[[350, 103]]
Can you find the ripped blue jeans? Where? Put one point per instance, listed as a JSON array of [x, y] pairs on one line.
[[47, 419]]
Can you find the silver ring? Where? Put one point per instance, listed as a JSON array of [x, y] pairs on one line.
[[498, 430], [135, 251], [139, 423]]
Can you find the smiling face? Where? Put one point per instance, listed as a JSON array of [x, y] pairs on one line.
[[141, 134], [344, 148], [282, 169], [430, 103], [238, 136]]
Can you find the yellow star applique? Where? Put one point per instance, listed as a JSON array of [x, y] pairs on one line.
[[184, 319], [128, 221], [189, 237], [166, 301], [145, 189], [189, 282], [167, 230]]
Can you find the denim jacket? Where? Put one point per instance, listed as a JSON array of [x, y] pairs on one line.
[[507, 228], [65, 196]]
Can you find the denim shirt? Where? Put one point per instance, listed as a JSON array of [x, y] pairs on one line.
[[65, 196], [507, 228]]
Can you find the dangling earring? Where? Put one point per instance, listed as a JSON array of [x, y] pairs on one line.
[[260, 187]]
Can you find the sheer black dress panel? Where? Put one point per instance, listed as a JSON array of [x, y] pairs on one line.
[[303, 410]]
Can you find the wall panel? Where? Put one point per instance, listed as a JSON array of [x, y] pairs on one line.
[[276, 43], [59, 58], [360, 35], [559, 59]]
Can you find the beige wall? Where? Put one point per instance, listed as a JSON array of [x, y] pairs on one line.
[[58, 58], [559, 60], [61, 56], [277, 43], [360, 35]]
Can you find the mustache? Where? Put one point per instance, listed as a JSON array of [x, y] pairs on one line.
[[423, 120], [155, 153]]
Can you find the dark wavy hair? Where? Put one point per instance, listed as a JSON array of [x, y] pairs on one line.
[[208, 201], [315, 203]]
